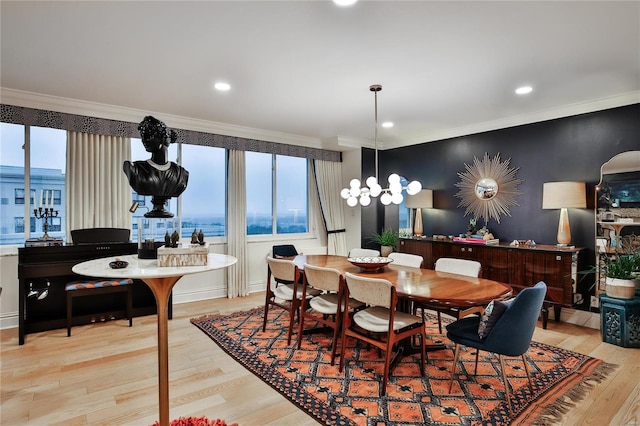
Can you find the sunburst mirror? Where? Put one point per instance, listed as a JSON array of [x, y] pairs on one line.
[[488, 188]]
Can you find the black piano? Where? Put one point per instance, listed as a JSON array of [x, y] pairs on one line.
[[43, 273]]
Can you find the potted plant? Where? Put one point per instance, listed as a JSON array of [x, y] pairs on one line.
[[387, 239], [621, 272]]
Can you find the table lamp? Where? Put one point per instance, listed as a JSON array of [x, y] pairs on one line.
[[419, 201], [563, 195]]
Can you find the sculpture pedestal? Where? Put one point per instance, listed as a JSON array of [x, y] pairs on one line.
[[183, 255]]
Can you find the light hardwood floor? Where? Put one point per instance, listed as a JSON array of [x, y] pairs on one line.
[[106, 374]]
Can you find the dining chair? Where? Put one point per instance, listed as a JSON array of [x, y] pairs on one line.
[[325, 306], [363, 252], [284, 251], [286, 292], [379, 324], [466, 267], [510, 335], [406, 259]]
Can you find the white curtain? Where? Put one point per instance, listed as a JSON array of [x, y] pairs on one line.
[[238, 274], [98, 192], [329, 181]]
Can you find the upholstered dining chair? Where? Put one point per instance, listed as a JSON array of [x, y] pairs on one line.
[[406, 259], [469, 268], [510, 335], [380, 324], [326, 306], [286, 291], [363, 252]]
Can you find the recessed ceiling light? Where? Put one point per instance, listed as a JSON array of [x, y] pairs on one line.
[[387, 124], [523, 90], [223, 87], [344, 2]]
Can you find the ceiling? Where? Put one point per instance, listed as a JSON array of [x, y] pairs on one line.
[[300, 70]]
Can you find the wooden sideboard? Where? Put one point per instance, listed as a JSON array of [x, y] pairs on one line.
[[518, 266], [39, 265]]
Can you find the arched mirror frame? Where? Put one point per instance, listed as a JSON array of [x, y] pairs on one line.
[[610, 217]]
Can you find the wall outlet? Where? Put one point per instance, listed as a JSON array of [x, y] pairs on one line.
[[595, 302]]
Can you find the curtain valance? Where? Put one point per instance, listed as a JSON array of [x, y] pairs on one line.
[[102, 126]]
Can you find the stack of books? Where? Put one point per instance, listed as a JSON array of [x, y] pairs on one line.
[[476, 240]]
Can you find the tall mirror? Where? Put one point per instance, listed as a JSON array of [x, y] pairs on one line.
[[617, 208]]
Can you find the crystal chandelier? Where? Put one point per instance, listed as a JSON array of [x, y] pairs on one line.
[[391, 194]]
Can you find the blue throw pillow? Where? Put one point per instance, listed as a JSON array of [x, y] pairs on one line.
[[492, 313]]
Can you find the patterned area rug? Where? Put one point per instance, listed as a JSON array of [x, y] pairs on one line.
[[306, 377]]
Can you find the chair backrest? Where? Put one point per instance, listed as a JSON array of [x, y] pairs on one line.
[[406, 259], [372, 291], [284, 250], [282, 270], [322, 278], [512, 333], [100, 235], [362, 252], [470, 268]]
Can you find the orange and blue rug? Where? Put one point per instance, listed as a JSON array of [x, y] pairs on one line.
[[306, 377]]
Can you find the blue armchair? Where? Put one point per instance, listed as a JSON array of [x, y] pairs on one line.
[[510, 336]]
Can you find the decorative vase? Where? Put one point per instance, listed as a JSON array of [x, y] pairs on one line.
[[621, 289], [385, 250]]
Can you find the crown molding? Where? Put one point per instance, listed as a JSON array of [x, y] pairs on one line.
[[615, 101], [112, 112]]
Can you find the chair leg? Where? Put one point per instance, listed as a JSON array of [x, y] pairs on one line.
[[387, 367], [334, 342], [301, 325], [455, 363], [439, 322], [526, 368], [130, 304], [475, 369], [506, 383], [69, 312]]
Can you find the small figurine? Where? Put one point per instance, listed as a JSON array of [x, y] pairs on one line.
[[471, 229], [174, 239], [194, 237], [201, 238], [167, 239]]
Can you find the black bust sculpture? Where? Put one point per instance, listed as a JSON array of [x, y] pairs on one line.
[[157, 176]]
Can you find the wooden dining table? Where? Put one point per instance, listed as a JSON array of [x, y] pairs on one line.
[[420, 285]]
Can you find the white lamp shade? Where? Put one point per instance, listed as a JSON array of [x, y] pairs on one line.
[[423, 199], [558, 195]]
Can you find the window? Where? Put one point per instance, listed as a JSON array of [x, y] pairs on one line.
[[204, 201], [277, 194], [291, 194], [259, 181], [47, 149], [55, 224], [19, 225], [19, 195]]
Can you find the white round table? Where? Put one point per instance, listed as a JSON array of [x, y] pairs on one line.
[[161, 281]]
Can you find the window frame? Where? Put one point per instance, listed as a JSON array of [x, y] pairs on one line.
[[275, 236]]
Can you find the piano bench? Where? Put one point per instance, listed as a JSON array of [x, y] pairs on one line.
[[92, 288]]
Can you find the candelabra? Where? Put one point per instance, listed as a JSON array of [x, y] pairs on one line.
[[45, 213]]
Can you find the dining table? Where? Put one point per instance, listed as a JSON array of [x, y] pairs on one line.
[[437, 288], [160, 280]]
